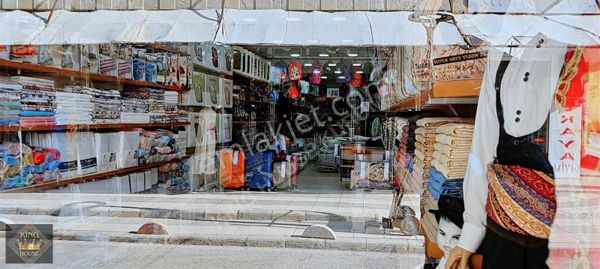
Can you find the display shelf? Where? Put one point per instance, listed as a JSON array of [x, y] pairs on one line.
[[17, 128], [55, 71], [203, 69], [166, 49], [457, 92], [90, 177], [238, 74]]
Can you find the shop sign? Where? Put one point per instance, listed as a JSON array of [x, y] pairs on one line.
[[565, 143]]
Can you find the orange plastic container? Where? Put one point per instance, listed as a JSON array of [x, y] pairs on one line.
[[231, 169]]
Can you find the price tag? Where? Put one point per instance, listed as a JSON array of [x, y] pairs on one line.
[[336, 149], [363, 168], [361, 157], [283, 169], [236, 157]]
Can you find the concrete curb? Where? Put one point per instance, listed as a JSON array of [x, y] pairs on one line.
[[192, 214], [399, 245]]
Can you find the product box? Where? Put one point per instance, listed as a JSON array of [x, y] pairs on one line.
[[160, 60], [50, 55], [129, 142], [107, 145], [194, 129], [4, 52], [212, 93], [210, 58], [24, 53], [71, 57], [184, 67], [225, 128], [226, 93], [195, 96], [226, 60], [173, 72], [107, 59], [196, 51], [139, 64], [90, 59], [86, 154], [124, 61]]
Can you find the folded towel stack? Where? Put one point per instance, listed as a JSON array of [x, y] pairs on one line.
[[23, 166], [425, 136], [156, 146], [10, 101], [38, 101], [450, 156], [106, 103], [73, 108], [134, 111]]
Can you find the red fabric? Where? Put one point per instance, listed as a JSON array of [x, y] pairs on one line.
[[39, 158], [357, 80], [293, 91]]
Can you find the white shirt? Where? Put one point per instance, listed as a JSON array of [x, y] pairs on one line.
[[527, 94]]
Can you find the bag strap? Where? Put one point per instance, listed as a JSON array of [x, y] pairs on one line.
[[498, 86]]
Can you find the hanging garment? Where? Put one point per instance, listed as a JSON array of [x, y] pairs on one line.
[[527, 93]]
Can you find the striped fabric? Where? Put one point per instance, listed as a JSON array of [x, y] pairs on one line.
[[521, 200]]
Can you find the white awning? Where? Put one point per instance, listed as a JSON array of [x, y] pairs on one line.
[[283, 28], [19, 27]]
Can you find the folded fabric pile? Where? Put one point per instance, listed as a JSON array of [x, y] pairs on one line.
[[327, 158], [38, 101], [171, 108], [156, 146], [134, 111], [424, 146], [154, 100], [10, 102], [22, 166], [106, 103], [73, 108], [452, 147], [370, 176]]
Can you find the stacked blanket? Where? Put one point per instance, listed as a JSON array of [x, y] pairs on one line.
[[450, 156], [38, 101], [154, 99], [23, 166], [156, 146], [10, 102], [73, 108], [106, 103]]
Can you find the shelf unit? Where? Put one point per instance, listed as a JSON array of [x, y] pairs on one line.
[[4, 129], [90, 177], [238, 74], [455, 92], [55, 71]]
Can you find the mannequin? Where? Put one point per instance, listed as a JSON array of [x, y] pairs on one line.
[[447, 238]]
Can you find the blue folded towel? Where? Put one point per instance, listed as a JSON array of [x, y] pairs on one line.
[[30, 113]]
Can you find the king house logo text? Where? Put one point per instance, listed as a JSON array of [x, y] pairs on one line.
[[28, 243]]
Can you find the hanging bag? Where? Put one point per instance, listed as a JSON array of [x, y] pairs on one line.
[[317, 72], [521, 192], [295, 70]]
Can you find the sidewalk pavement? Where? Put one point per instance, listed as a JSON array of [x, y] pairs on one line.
[[356, 206]]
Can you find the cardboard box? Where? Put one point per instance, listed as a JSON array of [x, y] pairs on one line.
[[106, 150], [184, 67], [129, 142], [173, 73], [4, 52], [226, 60]]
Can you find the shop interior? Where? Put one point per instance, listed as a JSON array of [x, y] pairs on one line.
[[177, 118]]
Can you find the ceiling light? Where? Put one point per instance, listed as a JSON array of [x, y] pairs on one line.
[[323, 55], [308, 64], [339, 18], [295, 55], [359, 72], [312, 41], [347, 40], [356, 64], [337, 71], [249, 19], [324, 77], [352, 54], [331, 64], [292, 19], [342, 77]]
